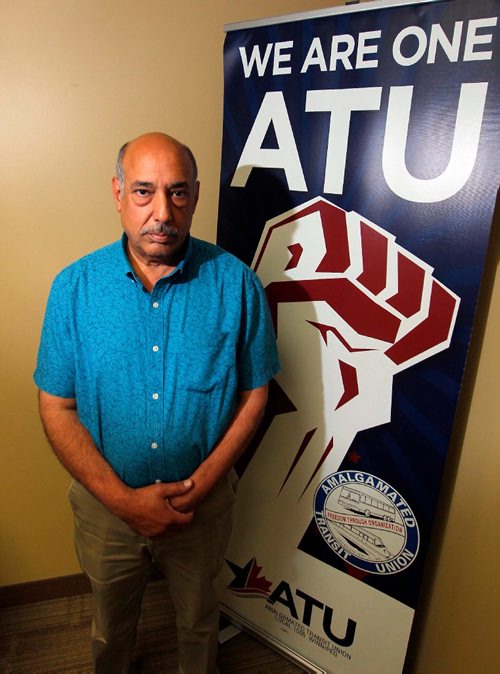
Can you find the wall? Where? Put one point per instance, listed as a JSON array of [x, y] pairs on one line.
[[78, 78]]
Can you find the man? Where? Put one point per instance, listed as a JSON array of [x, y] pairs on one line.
[[153, 367]]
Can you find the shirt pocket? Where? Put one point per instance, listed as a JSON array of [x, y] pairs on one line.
[[207, 364]]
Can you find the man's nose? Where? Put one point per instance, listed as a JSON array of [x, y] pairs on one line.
[[162, 208]]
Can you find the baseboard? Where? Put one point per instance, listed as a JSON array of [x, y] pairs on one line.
[[43, 590], [51, 588]]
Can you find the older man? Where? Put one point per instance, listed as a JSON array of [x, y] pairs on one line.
[[153, 367]]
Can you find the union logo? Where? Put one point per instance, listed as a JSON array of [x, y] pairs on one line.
[[366, 522]]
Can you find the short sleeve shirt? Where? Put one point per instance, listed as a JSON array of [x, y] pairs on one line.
[[156, 375]]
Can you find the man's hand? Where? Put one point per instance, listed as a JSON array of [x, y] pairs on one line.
[[158, 509], [188, 501], [148, 510]]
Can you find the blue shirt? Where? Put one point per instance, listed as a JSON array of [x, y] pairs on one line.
[[156, 375]]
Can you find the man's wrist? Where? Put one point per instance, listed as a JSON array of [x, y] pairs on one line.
[[120, 500]]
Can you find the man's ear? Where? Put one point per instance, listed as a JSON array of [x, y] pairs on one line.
[[196, 194], [117, 193]]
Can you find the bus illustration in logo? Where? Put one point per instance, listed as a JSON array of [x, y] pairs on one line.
[[365, 543], [357, 501]]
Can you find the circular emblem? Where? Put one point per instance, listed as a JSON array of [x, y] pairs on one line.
[[366, 522]]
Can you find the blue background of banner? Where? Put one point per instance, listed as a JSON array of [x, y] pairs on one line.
[[450, 235]]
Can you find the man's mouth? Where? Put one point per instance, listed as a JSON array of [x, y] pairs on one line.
[[160, 237]]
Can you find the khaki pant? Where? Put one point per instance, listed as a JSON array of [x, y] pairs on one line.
[[118, 562]]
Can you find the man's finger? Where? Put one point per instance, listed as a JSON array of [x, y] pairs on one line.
[[176, 488]]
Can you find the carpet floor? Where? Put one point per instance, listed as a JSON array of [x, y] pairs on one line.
[[53, 637]]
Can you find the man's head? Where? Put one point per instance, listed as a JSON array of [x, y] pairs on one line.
[[156, 191]]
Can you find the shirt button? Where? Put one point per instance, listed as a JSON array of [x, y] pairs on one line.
[[155, 396], [156, 348], [156, 305], [154, 445]]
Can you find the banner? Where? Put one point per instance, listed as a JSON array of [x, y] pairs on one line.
[[359, 177]]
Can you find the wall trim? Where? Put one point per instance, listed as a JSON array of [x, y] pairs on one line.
[[52, 588], [43, 590]]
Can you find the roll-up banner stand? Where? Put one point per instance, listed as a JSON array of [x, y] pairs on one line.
[[359, 176]]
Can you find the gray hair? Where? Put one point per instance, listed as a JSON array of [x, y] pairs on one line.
[[120, 173], [119, 165]]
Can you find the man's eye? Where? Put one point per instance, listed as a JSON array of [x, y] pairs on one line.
[[141, 192], [179, 194]]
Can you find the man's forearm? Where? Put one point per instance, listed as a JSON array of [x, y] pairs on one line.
[[75, 449], [241, 430], [233, 443]]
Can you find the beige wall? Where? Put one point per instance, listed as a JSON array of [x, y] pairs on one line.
[[77, 78]]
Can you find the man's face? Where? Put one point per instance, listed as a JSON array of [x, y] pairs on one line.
[[158, 199]]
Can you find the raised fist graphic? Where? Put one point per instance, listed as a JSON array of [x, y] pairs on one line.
[[351, 308]]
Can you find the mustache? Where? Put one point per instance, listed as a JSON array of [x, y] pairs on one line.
[[160, 228]]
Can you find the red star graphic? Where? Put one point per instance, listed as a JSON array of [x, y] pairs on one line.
[[353, 456]]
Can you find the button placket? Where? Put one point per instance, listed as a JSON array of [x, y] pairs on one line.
[[155, 377]]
